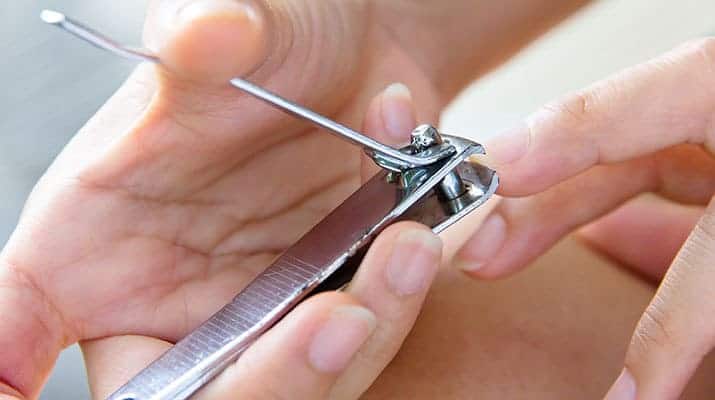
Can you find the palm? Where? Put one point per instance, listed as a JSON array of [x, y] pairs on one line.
[[158, 263]]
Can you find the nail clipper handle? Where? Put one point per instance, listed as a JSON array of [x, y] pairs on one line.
[[219, 341]]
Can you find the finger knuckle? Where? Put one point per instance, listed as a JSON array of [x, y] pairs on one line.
[[578, 107], [696, 58], [702, 47], [577, 115], [653, 332]]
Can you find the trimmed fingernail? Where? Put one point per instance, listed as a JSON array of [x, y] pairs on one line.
[[509, 146], [624, 388], [483, 245], [397, 112], [340, 337], [414, 261], [199, 9]]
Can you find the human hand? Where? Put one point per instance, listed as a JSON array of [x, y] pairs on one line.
[[648, 129], [181, 189]]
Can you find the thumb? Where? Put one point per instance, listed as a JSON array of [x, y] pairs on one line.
[[216, 40], [207, 40]]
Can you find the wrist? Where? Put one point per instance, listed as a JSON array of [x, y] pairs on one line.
[[30, 334]]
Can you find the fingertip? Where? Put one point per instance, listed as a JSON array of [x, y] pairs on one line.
[[396, 229], [340, 337], [210, 40], [509, 146]]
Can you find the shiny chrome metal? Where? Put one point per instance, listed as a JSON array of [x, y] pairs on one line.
[[434, 181], [383, 155], [95, 38], [324, 259], [451, 187], [424, 137]]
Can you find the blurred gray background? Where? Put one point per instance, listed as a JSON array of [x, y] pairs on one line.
[[50, 84]]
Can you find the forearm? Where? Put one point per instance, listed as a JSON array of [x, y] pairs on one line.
[[456, 41]]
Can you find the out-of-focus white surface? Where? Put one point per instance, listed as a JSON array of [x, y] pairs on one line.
[[604, 38], [51, 84]]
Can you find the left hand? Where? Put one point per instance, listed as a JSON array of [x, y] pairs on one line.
[[649, 129], [182, 188]]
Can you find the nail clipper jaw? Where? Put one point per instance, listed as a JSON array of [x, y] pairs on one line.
[[425, 143], [464, 186], [426, 140]]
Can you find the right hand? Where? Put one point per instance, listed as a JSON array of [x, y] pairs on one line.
[[576, 162]]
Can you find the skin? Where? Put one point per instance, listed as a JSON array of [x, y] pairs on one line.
[[164, 154], [158, 176], [646, 130], [558, 330]]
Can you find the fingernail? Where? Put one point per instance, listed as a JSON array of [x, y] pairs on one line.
[[483, 245], [414, 261], [509, 146], [397, 112], [198, 9], [624, 388], [340, 337]]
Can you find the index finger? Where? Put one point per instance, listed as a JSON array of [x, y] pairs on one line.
[[662, 103]]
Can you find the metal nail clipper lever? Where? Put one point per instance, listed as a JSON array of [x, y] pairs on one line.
[[433, 181]]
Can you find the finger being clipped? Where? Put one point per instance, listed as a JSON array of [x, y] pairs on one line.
[[656, 105], [521, 229]]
